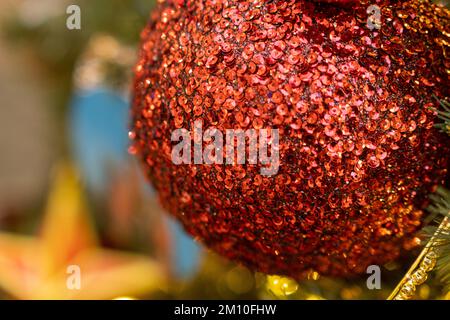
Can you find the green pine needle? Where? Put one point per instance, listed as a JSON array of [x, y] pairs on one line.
[[444, 115]]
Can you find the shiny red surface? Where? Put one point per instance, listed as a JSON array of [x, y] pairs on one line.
[[358, 150]]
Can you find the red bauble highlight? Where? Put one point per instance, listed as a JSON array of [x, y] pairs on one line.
[[353, 104]]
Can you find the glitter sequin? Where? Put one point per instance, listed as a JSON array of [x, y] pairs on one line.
[[354, 110]]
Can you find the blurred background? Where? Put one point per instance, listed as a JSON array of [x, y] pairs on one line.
[[70, 193]]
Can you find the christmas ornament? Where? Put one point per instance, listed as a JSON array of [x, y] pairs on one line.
[[66, 261], [353, 105]]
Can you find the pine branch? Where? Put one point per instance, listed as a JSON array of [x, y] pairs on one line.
[[434, 255], [444, 115]]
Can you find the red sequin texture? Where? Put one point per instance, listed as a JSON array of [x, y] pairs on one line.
[[339, 1], [358, 151]]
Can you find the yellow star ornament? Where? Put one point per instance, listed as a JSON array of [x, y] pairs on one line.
[[65, 261]]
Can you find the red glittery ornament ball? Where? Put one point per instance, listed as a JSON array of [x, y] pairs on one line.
[[351, 98]]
